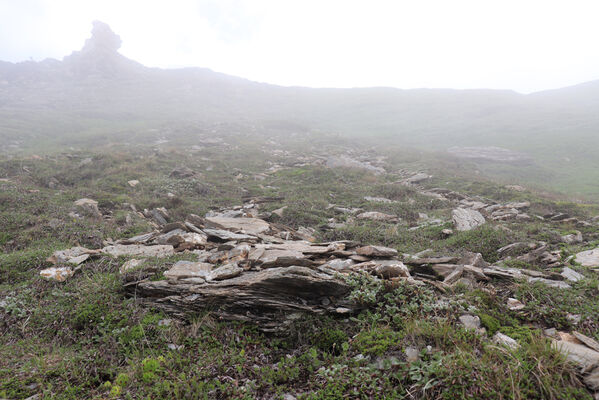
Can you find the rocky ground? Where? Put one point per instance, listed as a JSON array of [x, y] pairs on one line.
[[271, 267]]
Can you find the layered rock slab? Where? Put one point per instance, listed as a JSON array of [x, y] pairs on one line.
[[270, 298]]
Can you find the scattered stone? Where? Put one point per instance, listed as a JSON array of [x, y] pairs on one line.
[[551, 283], [573, 238], [279, 211], [466, 219], [589, 342], [133, 182], [389, 269], [74, 255], [412, 354], [59, 274], [514, 304], [589, 258], [87, 207], [571, 275], [470, 322], [130, 265], [505, 340], [182, 172]]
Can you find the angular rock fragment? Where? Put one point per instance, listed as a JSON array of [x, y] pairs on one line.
[[571, 275], [188, 269], [376, 251], [59, 274], [74, 255], [250, 226], [589, 258], [505, 340], [87, 207], [130, 265], [389, 269], [466, 219], [227, 271]]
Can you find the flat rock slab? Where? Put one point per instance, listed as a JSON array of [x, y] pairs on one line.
[[74, 255], [376, 251], [589, 258], [270, 298], [579, 354], [251, 226], [222, 235], [188, 269], [137, 250]]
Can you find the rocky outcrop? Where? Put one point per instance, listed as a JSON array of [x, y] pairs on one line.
[[270, 298]]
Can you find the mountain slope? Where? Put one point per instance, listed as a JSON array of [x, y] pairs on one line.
[[97, 91]]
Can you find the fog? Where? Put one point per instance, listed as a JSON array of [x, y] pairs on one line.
[[523, 46]]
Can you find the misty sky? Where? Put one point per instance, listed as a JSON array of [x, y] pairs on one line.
[[525, 45]]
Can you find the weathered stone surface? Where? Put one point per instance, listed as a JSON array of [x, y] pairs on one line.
[[139, 239], [283, 258], [227, 271], [589, 342], [130, 265], [571, 275], [466, 219], [391, 269], [376, 251], [74, 255], [221, 235], [551, 283], [250, 226], [59, 274], [188, 269], [270, 298], [133, 182], [470, 322], [579, 354], [589, 258], [87, 207], [573, 238], [137, 250], [505, 340], [515, 304]]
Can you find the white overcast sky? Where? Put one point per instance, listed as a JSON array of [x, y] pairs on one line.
[[525, 45]]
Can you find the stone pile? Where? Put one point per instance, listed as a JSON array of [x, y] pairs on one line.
[[243, 270]]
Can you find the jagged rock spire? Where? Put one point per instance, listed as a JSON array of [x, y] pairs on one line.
[[103, 40]]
